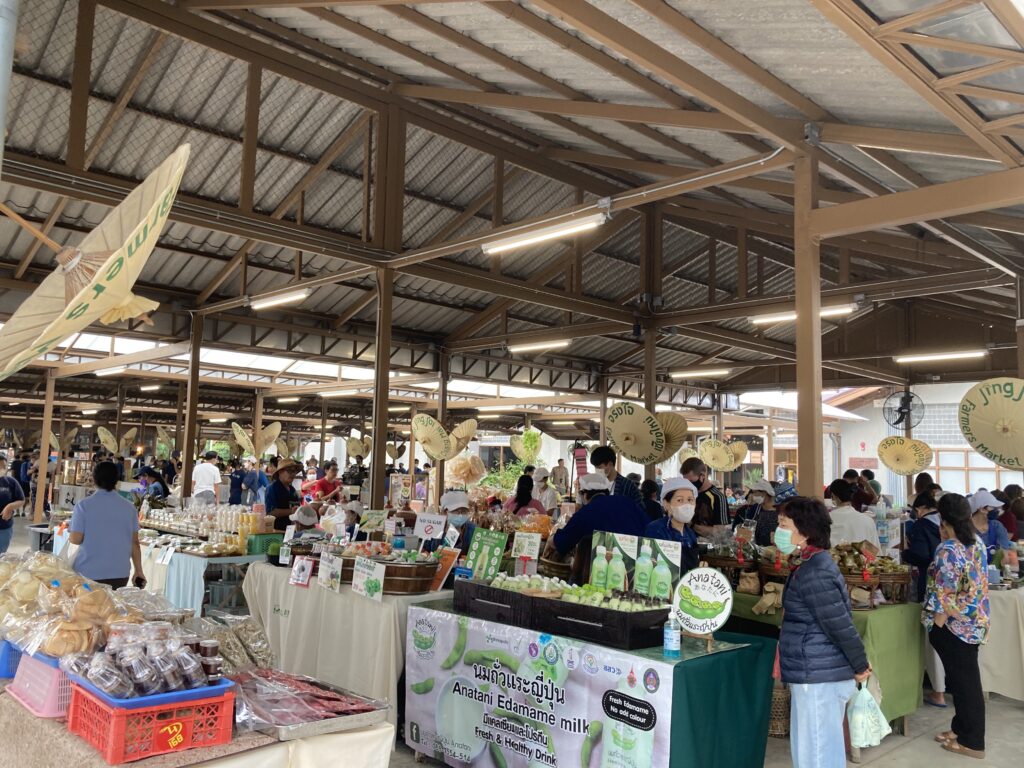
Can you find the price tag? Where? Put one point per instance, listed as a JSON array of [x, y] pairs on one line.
[[166, 555], [289, 533], [526, 545], [391, 526], [430, 526], [451, 537]]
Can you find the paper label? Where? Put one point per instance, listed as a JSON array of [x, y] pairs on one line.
[[447, 557], [703, 601], [526, 545], [451, 536], [486, 549], [289, 533], [164, 558], [302, 571], [430, 526], [391, 526], [329, 575], [368, 578]]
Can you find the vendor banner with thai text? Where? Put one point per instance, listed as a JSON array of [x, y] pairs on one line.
[[486, 694]]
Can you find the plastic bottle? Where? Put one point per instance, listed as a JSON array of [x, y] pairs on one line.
[[599, 569], [642, 573], [661, 581], [616, 572], [672, 639]]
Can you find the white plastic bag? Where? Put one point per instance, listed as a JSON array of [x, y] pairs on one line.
[[868, 725]]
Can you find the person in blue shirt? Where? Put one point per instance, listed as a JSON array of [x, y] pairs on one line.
[[12, 498], [991, 531], [455, 504], [105, 526], [235, 478], [679, 498], [600, 512], [281, 495], [152, 483]]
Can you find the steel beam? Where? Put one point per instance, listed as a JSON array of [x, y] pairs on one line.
[[116, 361]]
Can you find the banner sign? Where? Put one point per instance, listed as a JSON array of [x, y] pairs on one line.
[[491, 695], [486, 549]]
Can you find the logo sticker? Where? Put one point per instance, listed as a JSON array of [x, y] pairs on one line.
[[590, 663], [651, 681]]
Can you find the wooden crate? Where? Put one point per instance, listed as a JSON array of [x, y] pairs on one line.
[[481, 601], [616, 629]]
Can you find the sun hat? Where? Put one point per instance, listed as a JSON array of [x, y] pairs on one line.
[[676, 484]]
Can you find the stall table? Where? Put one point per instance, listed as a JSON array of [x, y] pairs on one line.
[[25, 733], [707, 709], [340, 638], [183, 581], [893, 637], [1002, 657]]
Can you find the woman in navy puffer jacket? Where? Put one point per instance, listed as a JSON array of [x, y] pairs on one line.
[[820, 652]]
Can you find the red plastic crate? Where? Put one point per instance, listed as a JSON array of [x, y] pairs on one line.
[[41, 687], [124, 735]]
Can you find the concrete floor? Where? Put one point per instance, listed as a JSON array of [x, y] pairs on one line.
[[1004, 728]]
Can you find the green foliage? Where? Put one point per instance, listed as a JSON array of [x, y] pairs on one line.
[[752, 475], [504, 478], [531, 444]]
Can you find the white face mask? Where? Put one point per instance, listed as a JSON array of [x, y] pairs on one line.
[[757, 498], [683, 513]]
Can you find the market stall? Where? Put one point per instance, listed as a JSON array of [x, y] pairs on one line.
[[1002, 658], [577, 699], [183, 579], [893, 638], [338, 637]]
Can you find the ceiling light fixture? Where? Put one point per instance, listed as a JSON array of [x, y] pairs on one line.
[[700, 373], [111, 371], [339, 392], [127, 410], [86, 426], [539, 345], [563, 423], [488, 416], [149, 388], [90, 412], [398, 408], [14, 402], [542, 234], [699, 429], [218, 420], [970, 354], [788, 317], [274, 301], [287, 399], [486, 408]]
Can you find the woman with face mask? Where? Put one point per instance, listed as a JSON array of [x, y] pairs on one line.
[[678, 497], [820, 652], [985, 509], [455, 504], [759, 513]]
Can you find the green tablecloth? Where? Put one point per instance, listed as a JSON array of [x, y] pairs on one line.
[[893, 638]]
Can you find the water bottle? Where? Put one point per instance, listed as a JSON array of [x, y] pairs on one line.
[[672, 639]]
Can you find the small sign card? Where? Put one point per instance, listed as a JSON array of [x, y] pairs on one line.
[[165, 556], [451, 536], [429, 526], [368, 578], [329, 575], [485, 552], [302, 571], [526, 545], [391, 526]]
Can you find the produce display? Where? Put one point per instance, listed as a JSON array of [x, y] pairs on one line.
[[851, 558], [588, 594]]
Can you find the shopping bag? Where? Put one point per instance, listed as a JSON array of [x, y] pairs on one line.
[[868, 725]]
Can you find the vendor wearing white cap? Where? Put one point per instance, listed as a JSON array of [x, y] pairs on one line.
[[992, 532], [455, 504], [305, 519], [600, 512], [760, 513], [679, 498], [543, 491]]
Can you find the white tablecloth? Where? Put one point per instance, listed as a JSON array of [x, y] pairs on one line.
[[365, 748], [1002, 657], [343, 639]]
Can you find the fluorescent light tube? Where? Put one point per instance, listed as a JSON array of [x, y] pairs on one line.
[[127, 410], [111, 371], [284, 298], [219, 420], [488, 416], [939, 356], [287, 399], [90, 412], [543, 234], [699, 429], [562, 423], [86, 426], [149, 388], [398, 409], [700, 373], [485, 408], [14, 403], [788, 317], [539, 345], [339, 393]]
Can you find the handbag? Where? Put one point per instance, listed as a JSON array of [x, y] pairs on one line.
[[750, 583]]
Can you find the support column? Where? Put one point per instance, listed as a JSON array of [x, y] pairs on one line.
[[442, 416], [117, 421], [81, 76], [381, 386], [650, 382], [323, 428], [807, 258], [188, 449], [603, 412], [44, 449], [257, 419], [769, 452], [411, 453], [718, 419], [179, 419]]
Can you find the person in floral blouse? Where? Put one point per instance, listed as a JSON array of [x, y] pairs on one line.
[[957, 618]]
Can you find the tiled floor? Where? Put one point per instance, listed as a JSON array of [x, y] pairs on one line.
[[1005, 731]]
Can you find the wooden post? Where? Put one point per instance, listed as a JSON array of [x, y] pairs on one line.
[[498, 207], [188, 449], [769, 451], [179, 419], [650, 382], [250, 136], [81, 77], [381, 387], [257, 419], [807, 258], [412, 453], [323, 428], [442, 417], [44, 449]]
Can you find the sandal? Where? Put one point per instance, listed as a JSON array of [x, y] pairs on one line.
[[945, 736], [959, 749]]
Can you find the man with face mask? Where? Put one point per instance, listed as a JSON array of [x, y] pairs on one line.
[[603, 460], [678, 496], [712, 508]]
